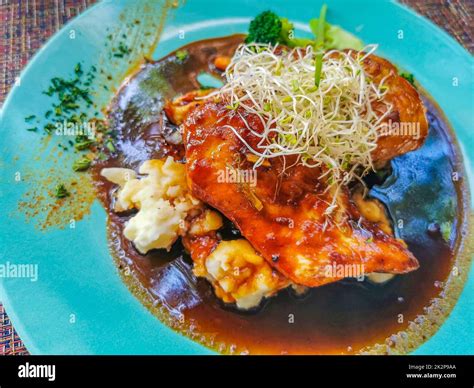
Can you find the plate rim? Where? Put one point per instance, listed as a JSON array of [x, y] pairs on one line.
[[437, 30]]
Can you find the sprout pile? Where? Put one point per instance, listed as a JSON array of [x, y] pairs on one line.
[[331, 126]]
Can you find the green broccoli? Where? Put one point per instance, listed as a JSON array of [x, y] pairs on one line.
[[268, 27], [265, 28]]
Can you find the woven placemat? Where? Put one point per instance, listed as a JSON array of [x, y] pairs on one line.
[[26, 24]]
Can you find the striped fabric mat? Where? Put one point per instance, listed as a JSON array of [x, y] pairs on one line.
[[26, 24]]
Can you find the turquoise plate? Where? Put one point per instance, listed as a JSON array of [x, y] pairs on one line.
[[79, 305]]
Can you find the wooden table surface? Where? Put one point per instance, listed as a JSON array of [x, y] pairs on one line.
[[26, 25]]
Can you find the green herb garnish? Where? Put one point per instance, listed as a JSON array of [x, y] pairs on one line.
[[318, 61], [78, 70], [122, 50], [81, 164], [30, 118], [233, 106], [446, 228], [49, 128], [110, 146], [102, 156], [182, 55], [82, 145], [61, 191]]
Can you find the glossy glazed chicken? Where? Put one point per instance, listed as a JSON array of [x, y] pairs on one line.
[[407, 111], [282, 212], [282, 215]]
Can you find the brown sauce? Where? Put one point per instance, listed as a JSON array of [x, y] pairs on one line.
[[344, 317]]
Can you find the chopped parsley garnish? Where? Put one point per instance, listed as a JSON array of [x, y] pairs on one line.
[[102, 156], [110, 146], [78, 70], [71, 96], [49, 128], [182, 55], [71, 99], [81, 164], [122, 50], [82, 145], [60, 191], [446, 228], [30, 118]]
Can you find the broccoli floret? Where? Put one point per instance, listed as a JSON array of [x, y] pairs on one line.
[[265, 28], [268, 27]]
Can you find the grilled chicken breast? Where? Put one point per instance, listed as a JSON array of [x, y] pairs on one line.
[[406, 126], [282, 211]]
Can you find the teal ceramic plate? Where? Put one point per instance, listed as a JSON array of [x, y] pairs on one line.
[[78, 304]]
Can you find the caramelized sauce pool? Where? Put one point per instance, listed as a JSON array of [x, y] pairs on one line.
[[344, 317]]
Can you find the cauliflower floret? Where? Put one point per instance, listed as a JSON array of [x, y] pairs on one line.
[[164, 179], [157, 226], [118, 175], [379, 278], [240, 275], [162, 198], [207, 222]]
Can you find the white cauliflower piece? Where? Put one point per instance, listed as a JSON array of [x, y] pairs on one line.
[[118, 175], [379, 278], [162, 198], [240, 275], [157, 226], [206, 222]]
